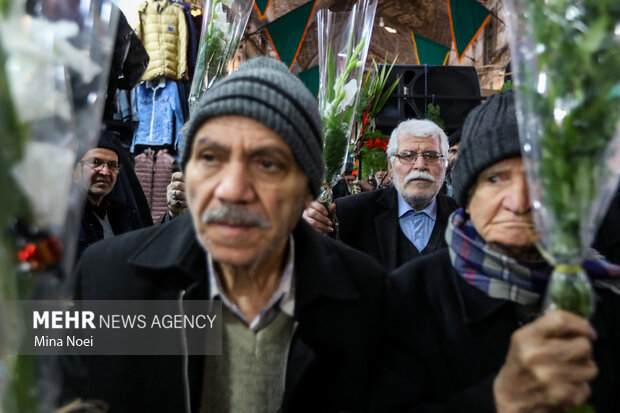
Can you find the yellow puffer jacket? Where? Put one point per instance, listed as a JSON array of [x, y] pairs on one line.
[[163, 31]]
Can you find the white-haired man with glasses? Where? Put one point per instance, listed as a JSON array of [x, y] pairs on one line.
[[103, 216], [399, 223]]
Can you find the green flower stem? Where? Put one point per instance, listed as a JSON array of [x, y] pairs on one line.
[[570, 290]]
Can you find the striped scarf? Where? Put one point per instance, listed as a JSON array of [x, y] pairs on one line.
[[501, 276]]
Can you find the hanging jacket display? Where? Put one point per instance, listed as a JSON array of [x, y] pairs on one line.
[[154, 170], [129, 63], [160, 114], [194, 25], [163, 30]]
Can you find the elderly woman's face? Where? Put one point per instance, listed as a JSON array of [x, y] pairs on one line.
[[500, 207]]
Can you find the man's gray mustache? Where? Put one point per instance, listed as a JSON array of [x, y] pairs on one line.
[[234, 215], [419, 175]]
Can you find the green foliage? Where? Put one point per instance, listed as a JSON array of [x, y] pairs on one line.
[[331, 75], [507, 85], [570, 290], [374, 93], [212, 57], [4, 7], [373, 159], [571, 91], [581, 59], [433, 113], [336, 140], [19, 395], [583, 408], [13, 136]]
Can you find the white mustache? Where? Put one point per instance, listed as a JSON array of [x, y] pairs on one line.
[[234, 214], [419, 175]]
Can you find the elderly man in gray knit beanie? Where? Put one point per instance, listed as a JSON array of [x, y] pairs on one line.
[[300, 312], [264, 90]]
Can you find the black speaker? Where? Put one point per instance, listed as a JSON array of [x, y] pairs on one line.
[[455, 89]]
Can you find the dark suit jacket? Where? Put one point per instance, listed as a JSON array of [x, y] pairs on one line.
[[369, 222], [337, 301], [445, 341]]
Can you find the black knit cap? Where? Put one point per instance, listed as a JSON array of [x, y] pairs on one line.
[[490, 134], [265, 90], [455, 137], [106, 141]]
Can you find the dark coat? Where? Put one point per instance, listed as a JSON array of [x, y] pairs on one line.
[[127, 188], [337, 301], [446, 341], [123, 218], [129, 63], [607, 241], [369, 222], [341, 189]]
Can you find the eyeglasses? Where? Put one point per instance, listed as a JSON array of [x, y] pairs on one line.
[[410, 158], [97, 164]]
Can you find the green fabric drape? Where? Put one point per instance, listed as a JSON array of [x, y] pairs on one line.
[[467, 19], [429, 52], [261, 7], [310, 77], [287, 33]]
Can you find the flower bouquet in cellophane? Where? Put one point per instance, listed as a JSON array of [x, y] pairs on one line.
[[54, 65], [344, 38], [370, 144], [223, 25], [566, 56]]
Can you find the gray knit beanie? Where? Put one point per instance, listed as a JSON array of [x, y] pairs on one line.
[[263, 89], [490, 134]]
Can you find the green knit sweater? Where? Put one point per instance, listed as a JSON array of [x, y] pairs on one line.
[[249, 375]]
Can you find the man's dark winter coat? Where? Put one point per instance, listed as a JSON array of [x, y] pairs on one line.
[[337, 301], [446, 341], [369, 222], [123, 218]]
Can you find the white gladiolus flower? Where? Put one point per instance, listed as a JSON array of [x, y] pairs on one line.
[[350, 92]]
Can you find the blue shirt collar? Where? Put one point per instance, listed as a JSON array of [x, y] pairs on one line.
[[404, 207]]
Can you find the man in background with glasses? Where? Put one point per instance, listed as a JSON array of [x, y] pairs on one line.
[[399, 223], [103, 215]]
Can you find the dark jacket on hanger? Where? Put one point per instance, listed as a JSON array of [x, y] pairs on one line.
[[129, 62], [337, 301], [369, 223]]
